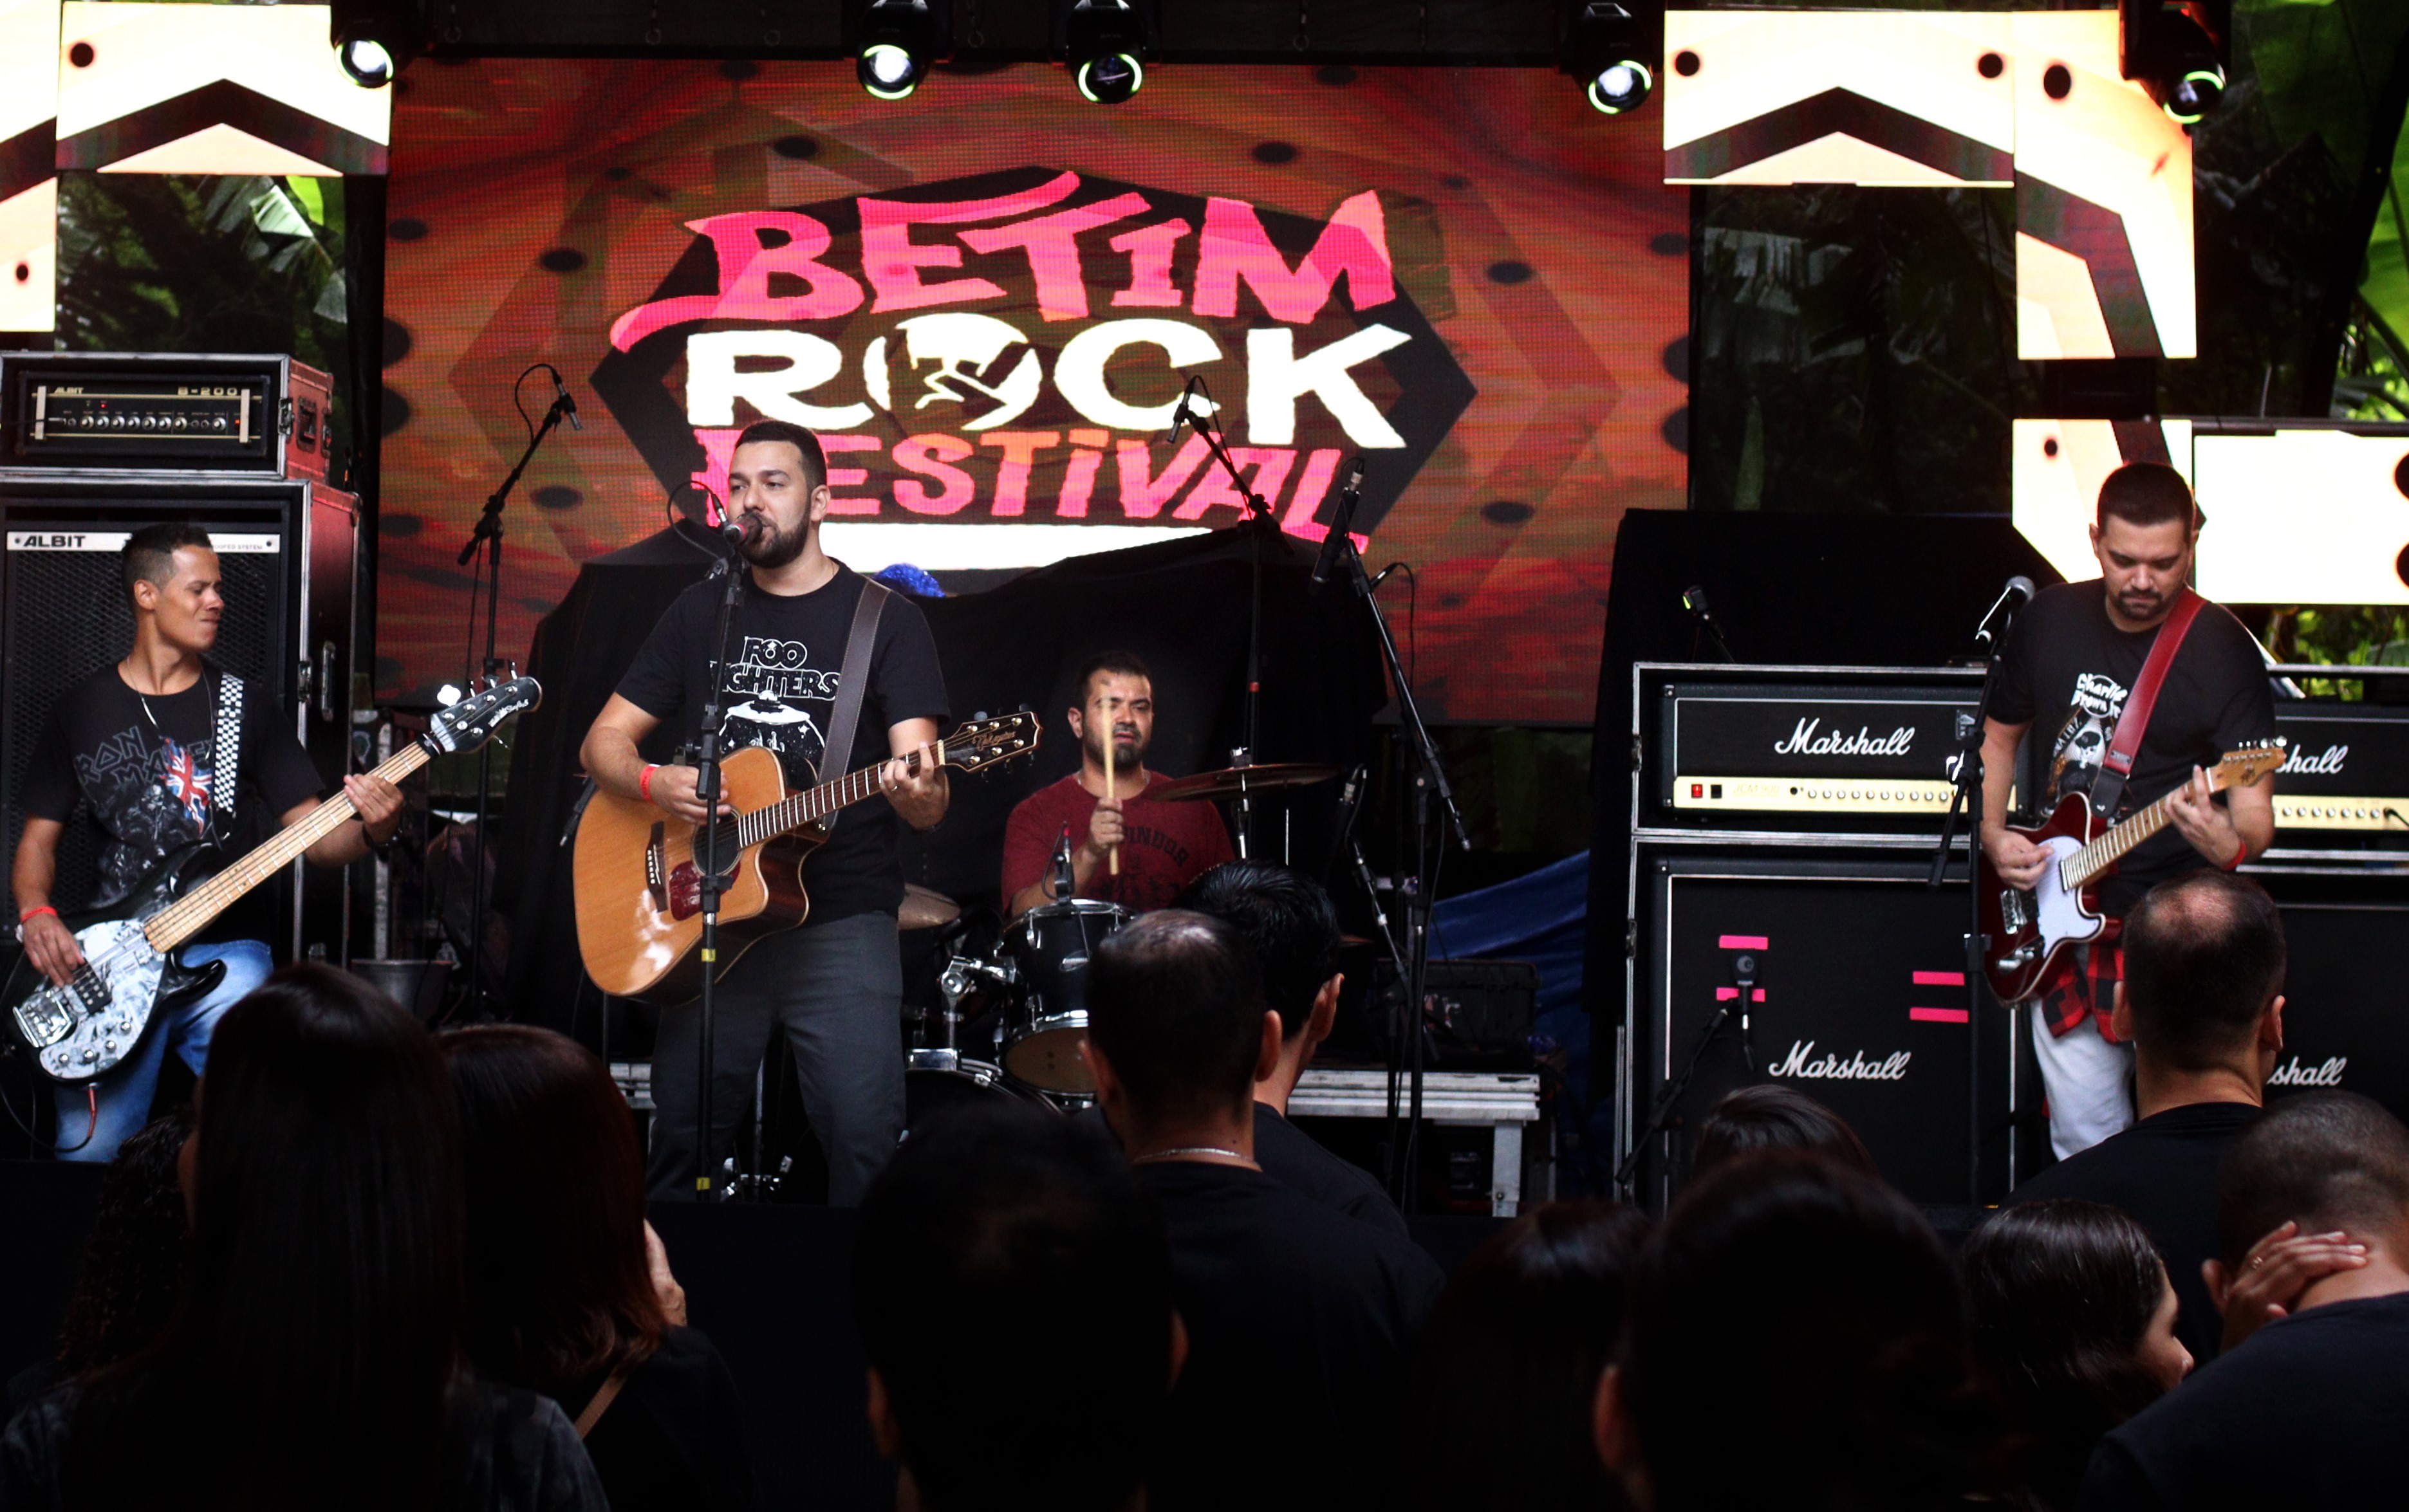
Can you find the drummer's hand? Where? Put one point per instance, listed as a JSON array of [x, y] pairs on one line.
[[1106, 828], [918, 795]]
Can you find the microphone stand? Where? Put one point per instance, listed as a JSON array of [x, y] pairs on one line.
[[706, 788], [488, 537]]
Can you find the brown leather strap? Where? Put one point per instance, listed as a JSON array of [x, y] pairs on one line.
[[2125, 742], [853, 685], [603, 1397]]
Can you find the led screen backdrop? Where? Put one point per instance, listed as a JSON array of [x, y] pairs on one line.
[[987, 298]]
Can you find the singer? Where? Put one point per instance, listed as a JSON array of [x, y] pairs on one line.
[[834, 982], [2074, 656]]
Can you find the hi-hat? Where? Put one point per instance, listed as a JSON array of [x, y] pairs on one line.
[[1239, 782], [925, 910]]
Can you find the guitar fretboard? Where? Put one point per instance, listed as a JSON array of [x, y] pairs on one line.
[[2105, 851], [190, 913], [816, 803]]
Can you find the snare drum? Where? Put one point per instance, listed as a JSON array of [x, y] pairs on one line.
[[1049, 948], [937, 1082]]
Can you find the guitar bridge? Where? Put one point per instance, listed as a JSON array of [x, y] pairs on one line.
[[2015, 910], [654, 882]]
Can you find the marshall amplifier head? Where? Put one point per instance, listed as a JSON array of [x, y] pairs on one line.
[[232, 416], [2347, 770]]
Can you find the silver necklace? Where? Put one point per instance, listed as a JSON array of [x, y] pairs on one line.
[[1152, 1156]]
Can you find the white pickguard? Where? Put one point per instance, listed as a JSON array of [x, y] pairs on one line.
[[79, 1039], [2060, 908]]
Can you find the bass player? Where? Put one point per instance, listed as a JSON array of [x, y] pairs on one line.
[[165, 748], [835, 982], [2076, 653]]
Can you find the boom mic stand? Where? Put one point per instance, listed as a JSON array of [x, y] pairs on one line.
[[706, 788], [488, 537]]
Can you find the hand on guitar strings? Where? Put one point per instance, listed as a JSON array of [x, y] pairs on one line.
[[2018, 860], [378, 802], [918, 795], [51, 947], [2200, 820], [673, 791]]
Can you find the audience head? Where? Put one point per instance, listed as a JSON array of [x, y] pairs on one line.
[[1793, 1338], [2204, 958], [1176, 1030], [559, 1288], [1287, 916], [2327, 1161], [1506, 1370], [1771, 1116], [1033, 1227], [126, 1290], [2074, 1320], [318, 1334]]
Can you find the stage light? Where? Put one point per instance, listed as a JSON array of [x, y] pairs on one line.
[[375, 40], [2176, 55], [1608, 46], [1105, 42], [366, 61], [897, 41]]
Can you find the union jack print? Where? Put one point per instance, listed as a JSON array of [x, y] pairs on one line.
[[186, 781]]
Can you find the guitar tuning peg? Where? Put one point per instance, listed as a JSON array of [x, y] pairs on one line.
[[977, 714]]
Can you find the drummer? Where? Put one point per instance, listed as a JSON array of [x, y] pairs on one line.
[[1161, 846]]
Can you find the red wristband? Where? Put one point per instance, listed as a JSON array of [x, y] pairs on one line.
[[31, 912], [644, 782], [2239, 857]]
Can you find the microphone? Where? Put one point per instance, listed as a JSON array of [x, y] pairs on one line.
[[1065, 881], [1694, 598], [1350, 496], [741, 529], [1179, 415], [2018, 593], [567, 406]]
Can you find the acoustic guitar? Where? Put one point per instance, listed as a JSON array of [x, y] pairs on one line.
[[639, 877]]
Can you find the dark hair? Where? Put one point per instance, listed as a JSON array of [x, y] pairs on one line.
[[2060, 1294], [2204, 955], [559, 1290], [1032, 1226], [1794, 1338], [126, 1290], [2147, 494], [1287, 917], [2327, 1160], [814, 455], [1175, 1003], [1771, 1116], [310, 1362], [150, 553], [1126, 663], [1500, 1388]]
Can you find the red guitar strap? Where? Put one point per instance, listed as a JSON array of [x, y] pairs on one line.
[[2124, 744]]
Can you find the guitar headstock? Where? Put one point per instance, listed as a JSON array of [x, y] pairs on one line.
[[983, 742], [2246, 764], [471, 722]]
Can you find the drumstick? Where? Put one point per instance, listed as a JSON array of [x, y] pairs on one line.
[[1112, 854]]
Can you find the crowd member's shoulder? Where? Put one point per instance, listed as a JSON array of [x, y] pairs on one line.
[[519, 1450], [33, 1452]]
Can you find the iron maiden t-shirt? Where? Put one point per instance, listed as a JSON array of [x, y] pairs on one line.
[[2067, 672], [786, 656]]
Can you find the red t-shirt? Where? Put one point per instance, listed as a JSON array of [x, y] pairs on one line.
[[1169, 845]]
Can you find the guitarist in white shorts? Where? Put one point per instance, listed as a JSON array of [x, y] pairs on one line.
[[2075, 653]]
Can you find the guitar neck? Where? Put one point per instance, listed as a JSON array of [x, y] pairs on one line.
[[193, 911], [814, 804], [2087, 864]]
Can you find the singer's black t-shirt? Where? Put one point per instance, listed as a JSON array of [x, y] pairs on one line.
[[2066, 671]]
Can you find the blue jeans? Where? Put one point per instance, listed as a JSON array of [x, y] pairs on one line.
[[123, 1095]]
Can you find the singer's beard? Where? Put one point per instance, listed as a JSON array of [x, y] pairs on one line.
[[2142, 605], [773, 548]]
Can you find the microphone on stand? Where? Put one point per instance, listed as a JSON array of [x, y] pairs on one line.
[[1179, 415], [1065, 881], [741, 529], [1694, 598], [567, 406], [2018, 593], [1350, 496]]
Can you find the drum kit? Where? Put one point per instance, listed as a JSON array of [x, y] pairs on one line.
[[1024, 1000]]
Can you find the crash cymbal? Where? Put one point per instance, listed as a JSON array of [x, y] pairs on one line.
[[1238, 782], [925, 910]]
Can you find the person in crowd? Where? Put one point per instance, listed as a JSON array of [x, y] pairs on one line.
[[127, 1287], [315, 1360], [2074, 1320], [565, 1277], [1287, 916], [2203, 1005], [1498, 1395], [1793, 1337], [2305, 1412], [1034, 1227], [1771, 1116], [1299, 1318]]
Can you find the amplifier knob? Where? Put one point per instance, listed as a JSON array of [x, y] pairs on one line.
[[218, 422], [183, 421]]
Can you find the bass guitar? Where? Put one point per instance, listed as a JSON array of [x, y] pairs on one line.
[[82, 1030], [2027, 930], [639, 876]]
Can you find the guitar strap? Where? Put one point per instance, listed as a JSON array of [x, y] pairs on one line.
[[2125, 742], [853, 685], [229, 751]]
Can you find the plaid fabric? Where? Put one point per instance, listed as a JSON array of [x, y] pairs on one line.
[[2087, 986]]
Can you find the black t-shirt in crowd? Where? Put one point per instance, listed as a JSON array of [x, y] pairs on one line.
[[151, 772], [1294, 1158], [785, 658], [673, 1438], [2066, 671], [1299, 1319], [2306, 1414], [2162, 1172]]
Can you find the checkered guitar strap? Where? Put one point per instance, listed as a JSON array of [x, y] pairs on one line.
[[229, 751]]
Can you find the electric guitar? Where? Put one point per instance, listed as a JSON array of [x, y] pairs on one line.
[[639, 871], [129, 972], [2026, 930]]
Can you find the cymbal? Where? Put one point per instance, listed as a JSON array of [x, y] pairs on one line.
[[925, 910], [1238, 782]]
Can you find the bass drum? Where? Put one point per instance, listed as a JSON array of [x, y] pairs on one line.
[[937, 1083], [1050, 946]]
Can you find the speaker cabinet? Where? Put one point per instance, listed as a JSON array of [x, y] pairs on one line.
[[2345, 1007], [288, 551], [1859, 1000]]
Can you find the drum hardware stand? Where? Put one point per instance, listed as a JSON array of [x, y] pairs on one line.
[[487, 537], [1661, 1115], [706, 789]]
